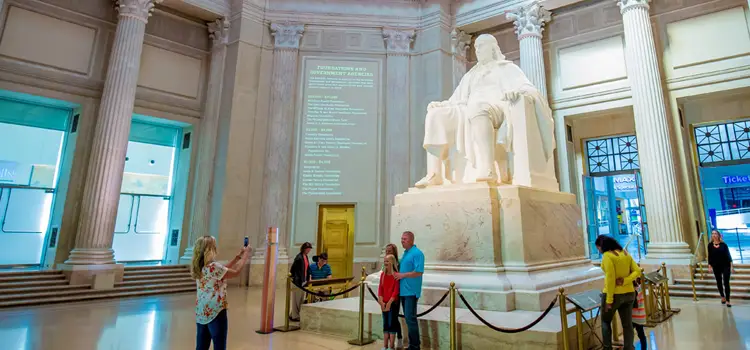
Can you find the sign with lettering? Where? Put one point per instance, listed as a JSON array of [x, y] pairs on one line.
[[735, 179], [8, 171], [624, 182]]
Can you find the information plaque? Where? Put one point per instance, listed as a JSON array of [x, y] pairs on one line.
[[655, 277], [587, 300]]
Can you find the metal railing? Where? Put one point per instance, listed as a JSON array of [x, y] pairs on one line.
[[639, 241], [700, 254]]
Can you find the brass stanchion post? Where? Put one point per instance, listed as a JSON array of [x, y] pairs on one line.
[[651, 301], [646, 294], [361, 341], [579, 328], [692, 282], [287, 327], [563, 318], [453, 316], [667, 302], [364, 272]]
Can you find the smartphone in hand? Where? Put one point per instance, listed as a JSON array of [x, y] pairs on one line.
[[247, 241]]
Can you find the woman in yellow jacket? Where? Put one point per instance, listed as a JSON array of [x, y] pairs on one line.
[[620, 270]]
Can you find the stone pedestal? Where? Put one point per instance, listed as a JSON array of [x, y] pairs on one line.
[[87, 274], [507, 247]]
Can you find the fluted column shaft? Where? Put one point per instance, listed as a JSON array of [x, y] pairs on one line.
[[203, 183], [529, 21], [532, 61], [398, 46], [653, 132], [277, 173], [101, 194]]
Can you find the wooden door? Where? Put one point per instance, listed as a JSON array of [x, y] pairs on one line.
[[336, 237]]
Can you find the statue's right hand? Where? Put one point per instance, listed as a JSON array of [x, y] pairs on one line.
[[435, 104]]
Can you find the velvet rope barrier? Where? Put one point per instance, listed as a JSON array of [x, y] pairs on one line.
[[432, 308], [507, 330]]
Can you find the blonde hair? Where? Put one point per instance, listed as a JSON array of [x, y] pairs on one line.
[[394, 265], [204, 252], [721, 237]]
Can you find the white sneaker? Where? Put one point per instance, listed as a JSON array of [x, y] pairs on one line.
[[399, 343]]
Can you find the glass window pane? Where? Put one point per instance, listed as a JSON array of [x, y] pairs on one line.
[[153, 213], [124, 212], [148, 169], [28, 211], [30, 156]]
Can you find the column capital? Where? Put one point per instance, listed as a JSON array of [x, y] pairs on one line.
[[287, 35], [138, 9], [460, 42], [529, 20], [218, 31], [626, 5], [398, 41]]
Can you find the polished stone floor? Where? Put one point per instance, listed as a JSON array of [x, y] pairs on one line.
[[168, 322]]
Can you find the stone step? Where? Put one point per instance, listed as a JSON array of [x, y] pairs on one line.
[[707, 295], [708, 288], [156, 268], [32, 283], [31, 290], [156, 272], [710, 277], [109, 294], [31, 277], [28, 273], [155, 279], [64, 293], [711, 282]]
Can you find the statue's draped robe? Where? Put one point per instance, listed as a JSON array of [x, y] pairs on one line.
[[481, 92]]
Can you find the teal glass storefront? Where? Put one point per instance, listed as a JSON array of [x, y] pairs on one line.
[[613, 194], [723, 153]]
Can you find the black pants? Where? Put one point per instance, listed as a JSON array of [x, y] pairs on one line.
[[641, 336], [215, 331], [722, 281]]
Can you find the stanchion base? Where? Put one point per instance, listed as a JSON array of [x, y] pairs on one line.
[[362, 342], [264, 332], [287, 328]]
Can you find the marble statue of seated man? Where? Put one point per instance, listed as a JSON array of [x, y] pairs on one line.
[[477, 117]]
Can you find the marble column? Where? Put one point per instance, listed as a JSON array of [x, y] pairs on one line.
[[460, 42], [101, 195], [398, 47], [529, 21], [652, 127], [277, 176], [218, 31]]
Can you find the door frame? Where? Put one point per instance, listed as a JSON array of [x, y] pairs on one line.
[[319, 236]]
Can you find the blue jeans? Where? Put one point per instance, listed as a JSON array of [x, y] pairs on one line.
[[216, 330], [410, 315]]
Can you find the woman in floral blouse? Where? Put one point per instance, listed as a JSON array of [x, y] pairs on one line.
[[211, 304]]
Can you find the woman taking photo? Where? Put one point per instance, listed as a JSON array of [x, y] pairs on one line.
[[618, 295], [300, 277], [720, 263], [211, 304]]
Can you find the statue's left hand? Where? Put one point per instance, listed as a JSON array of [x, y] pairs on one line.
[[512, 96]]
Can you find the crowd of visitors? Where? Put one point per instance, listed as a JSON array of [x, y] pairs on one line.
[[401, 287]]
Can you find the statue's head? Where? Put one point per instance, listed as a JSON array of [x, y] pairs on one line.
[[487, 49]]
